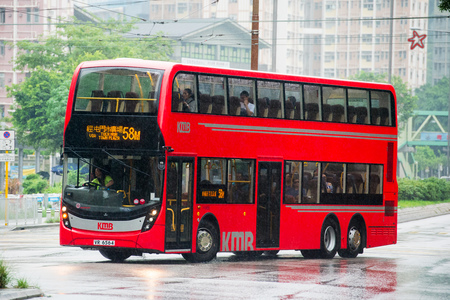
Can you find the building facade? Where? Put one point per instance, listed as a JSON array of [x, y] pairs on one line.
[[24, 20], [439, 44]]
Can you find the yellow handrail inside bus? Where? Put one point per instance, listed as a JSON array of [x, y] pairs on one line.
[[151, 79], [140, 89], [173, 218]]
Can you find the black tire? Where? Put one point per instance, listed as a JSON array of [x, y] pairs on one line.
[[310, 254], [329, 239], [248, 254], [271, 253], [355, 240], [115, 255], [207, 242]]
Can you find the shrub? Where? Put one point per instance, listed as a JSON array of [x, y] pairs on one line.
[[4, 275], [430, 189], [34, 184]]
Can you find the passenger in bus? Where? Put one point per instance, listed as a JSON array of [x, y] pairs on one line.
[[189, 104], [102, 179], [241, 189], [247, 108], [293, 192], [326, 186], [292, 99]]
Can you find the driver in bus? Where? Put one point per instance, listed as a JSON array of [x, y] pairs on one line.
[[102, 179]]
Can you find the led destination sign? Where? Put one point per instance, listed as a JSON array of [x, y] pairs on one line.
[[112, 133]]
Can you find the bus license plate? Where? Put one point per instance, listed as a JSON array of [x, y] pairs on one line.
[[104, 243]]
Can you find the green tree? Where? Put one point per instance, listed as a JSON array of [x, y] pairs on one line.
[[434, 97], [406, 102], [41, 98], [426, 158], [444, 5]]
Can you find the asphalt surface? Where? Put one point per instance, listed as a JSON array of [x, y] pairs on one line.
[[404, 215]]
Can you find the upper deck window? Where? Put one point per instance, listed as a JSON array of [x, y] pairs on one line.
[[216, 94], [118, 91]]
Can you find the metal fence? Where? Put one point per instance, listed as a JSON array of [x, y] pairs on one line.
[[28, 209]]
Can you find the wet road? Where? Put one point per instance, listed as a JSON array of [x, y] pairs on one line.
[[418, 267]]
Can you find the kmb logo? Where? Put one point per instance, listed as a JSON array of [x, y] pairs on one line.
[[237, 241], [184, 127], [105, 226]]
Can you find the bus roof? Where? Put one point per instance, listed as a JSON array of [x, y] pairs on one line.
[[169, 66]]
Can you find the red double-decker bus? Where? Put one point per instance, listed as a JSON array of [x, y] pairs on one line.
[[193, 160]]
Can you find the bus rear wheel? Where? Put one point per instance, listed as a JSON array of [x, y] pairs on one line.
[[115, 255], [355, 243], [207, 244]]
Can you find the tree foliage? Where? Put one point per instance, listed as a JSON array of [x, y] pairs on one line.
[[434, 97], [406, 102], [41, 98], [426, 158], [444, 5]]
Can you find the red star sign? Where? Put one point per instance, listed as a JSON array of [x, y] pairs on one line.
[[417, 40]]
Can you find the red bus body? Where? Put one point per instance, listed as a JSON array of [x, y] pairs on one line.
[[264, 141]]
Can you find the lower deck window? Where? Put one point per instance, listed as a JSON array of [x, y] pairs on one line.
[[333, 183], [226, 181]]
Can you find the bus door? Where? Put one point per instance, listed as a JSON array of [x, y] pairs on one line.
[[179, 195], [268, 201]]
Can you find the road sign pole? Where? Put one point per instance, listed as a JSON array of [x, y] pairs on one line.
[[6, 193]]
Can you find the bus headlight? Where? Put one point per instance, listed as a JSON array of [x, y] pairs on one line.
[[65, 217], [150, 219]]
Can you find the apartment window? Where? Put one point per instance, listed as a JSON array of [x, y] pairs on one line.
[[2, 80], [28, 14], [367, 38], [36, 15], [2, 15], [182, 8], [2, 48]]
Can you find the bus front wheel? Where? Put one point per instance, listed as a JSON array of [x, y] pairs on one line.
[[114, 255], [355, 243], [207, 244]]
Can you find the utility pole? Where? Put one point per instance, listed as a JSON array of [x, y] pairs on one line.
[[391, 42], [274, 36], [255, 33]]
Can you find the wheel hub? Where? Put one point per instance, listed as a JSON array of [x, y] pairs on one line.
[[329, 238], [354, 238], [204, 240]]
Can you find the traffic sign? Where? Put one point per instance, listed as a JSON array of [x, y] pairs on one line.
[[6, 157], [7, 140]]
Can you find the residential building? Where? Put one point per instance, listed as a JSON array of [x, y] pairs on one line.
[[24, 20], [439, 44]]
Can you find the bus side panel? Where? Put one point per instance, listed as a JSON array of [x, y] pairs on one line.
[[299, 230], [382, 230], [152, 239], [65, 235], [237, 225]]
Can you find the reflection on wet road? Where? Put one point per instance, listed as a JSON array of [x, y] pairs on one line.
[[418, 267]]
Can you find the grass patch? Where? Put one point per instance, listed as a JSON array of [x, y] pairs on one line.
[[418, 203], [5, 277], [22, 283]]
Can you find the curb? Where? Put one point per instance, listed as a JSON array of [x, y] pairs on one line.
[[423, 212], [17, 294]]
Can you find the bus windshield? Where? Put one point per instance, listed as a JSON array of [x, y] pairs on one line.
[[118, 90], [113, 182]]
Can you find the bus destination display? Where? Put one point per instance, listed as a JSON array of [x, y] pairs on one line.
[[112, 133]]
